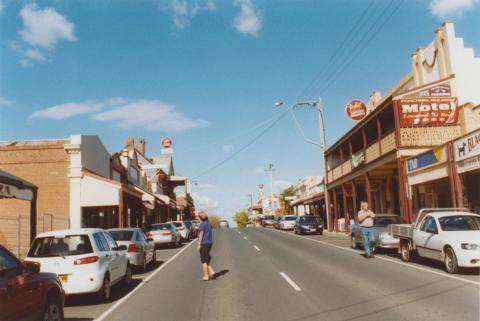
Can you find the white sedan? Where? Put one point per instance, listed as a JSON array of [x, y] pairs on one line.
[[287, 222], [85, 260], [451, 237]]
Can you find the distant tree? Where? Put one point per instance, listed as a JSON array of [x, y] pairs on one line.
[[214, 220], [241, 218], [289, 191]]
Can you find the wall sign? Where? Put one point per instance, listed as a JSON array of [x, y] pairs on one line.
[[10, 191], [468, 146], [432, 157], [356, 109], [427, 111]]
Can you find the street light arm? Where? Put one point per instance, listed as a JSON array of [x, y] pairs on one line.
[[301, 130]]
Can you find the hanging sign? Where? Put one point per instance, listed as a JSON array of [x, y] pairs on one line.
[[356, 109], [427, 111]]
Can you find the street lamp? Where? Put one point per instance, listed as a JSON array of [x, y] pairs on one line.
[[317, 104]]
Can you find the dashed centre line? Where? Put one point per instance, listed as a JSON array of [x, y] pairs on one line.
[[256, 248], [290, 281]]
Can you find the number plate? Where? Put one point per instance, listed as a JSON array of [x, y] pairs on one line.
[[63, 278], [312, 230]]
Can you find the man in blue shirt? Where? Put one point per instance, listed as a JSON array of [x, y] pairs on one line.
[[205, 243]]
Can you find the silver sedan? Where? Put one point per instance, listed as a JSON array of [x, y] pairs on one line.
[[382, 238], [140, 249]]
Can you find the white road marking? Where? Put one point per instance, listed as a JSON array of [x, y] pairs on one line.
[[256, 248], [144, 281], [388, 260], [290, 281], [244, 237]]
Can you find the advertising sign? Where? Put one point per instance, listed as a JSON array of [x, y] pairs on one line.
[[427, 111], [356, 109], [167, 142], [432, 157], [467, 147], [10, 191]]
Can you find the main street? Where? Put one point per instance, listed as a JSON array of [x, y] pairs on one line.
[[270, 275]]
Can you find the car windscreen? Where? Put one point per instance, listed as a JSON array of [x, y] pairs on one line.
[[119, 235], [177, 224], [161, 227], [52, 246], [308, 219], [460, 223], [385, 221], [188, 224], [290, 218]]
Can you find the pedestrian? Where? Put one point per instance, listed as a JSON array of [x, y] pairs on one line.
[[366, 216], [205, 242]]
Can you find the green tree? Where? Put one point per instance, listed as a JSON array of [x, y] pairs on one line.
[[289, 191], [214, 220], [241, 218]]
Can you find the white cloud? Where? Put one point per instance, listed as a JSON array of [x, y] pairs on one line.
[[203, 202], [68, 110], [4, 101], [151, 115], [227, 148], [183, 11], [248, 20], [42, 30], [451, 8]]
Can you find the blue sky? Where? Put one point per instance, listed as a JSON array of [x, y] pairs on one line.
[[207, 73]]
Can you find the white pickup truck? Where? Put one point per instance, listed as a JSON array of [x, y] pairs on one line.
[[449, 235]]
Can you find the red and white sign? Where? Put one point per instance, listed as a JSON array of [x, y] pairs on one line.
[[356, 109], [428, 111], [167, 142]]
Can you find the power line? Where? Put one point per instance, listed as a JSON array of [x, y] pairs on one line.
[[346, 63], [248, 144]]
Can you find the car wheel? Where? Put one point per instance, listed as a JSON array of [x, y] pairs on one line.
[[405, 251], [353, 242], [127, 279], [320, 232], [53, 309], [451, 264], [106, 290]]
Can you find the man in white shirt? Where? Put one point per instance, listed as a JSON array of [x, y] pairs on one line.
[[365, 217]]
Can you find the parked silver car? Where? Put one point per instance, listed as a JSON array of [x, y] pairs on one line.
[[140, 248], [165, 234], [382, 238]]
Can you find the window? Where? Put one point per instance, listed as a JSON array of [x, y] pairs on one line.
[[7, 262], [460, 223], [101, 242], [111, 242], [121, 235], [429, 225], [60, 246]]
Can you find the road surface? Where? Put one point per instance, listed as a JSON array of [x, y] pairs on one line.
[[271, 275]]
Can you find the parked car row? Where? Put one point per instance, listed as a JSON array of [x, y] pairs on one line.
[[306, 224], [78, 261]]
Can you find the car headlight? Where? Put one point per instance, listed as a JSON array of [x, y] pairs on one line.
[[470, 246]]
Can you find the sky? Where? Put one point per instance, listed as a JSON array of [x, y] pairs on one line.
[[207, 73]]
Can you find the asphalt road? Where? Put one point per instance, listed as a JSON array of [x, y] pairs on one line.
[[270, 275]]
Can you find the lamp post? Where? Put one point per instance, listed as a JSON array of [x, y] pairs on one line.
[[251, 204], [270, 170], [318, 105]]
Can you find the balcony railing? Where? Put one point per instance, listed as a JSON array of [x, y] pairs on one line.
[[375, 150]]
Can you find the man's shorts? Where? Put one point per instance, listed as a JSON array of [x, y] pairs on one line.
[[205, 253]]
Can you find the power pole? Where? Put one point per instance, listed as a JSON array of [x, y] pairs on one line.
[[270, 170], [251, 204]]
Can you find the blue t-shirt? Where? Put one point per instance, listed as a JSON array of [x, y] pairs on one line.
[[206, 227]]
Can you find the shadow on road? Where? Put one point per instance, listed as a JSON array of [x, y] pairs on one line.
[[118, 292], [78, 319], [219, 274]]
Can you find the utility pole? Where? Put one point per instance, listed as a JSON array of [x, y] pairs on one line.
[[251, 204], [270, 170]]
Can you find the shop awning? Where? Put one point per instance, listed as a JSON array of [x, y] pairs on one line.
[[314, 198], [99, 191], [148, 198], [15, 187], [167, 200]]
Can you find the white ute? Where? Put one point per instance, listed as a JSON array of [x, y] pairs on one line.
[[450, 235], [86, 260]]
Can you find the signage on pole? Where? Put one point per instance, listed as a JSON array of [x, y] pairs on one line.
[[356, 109], [427, 111], [467, 147]]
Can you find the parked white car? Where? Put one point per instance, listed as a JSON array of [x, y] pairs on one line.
[[85, 260], [448, 235], [165, 233], [140, 248], [287, 222], [183, 229]]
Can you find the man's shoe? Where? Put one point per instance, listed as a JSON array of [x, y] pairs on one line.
[[372, 256]]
